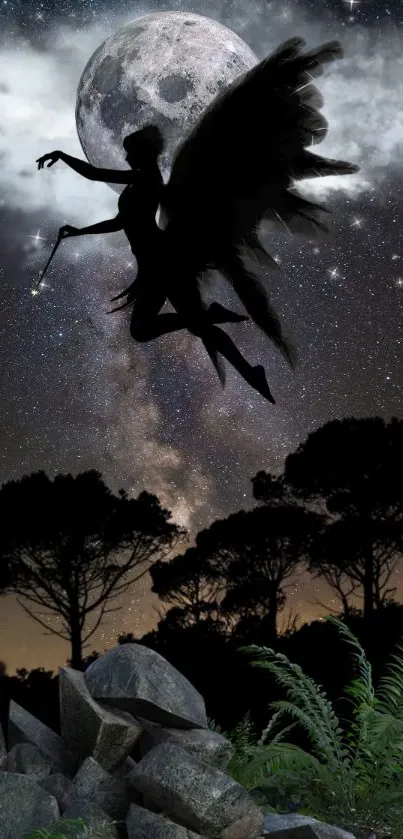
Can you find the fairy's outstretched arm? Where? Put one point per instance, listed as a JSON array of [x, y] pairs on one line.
[[93, 173], [111, 225]]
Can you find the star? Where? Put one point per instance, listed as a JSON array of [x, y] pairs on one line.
[[37, 238]]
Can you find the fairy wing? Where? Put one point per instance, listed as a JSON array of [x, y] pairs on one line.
[[238, 167]]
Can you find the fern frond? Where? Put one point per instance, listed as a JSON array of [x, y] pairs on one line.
[[275, 738], [390, 688], [361, 690], [320, 717]]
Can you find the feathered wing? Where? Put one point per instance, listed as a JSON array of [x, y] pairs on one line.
[[238, 166]]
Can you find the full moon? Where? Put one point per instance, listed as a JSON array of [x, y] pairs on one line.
[[163, 68]]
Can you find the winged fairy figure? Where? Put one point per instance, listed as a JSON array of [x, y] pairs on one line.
[[237, 167]]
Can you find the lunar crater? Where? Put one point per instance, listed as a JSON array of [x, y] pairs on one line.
[[175, 87]]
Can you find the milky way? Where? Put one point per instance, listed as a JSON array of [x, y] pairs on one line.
[[77, 393]]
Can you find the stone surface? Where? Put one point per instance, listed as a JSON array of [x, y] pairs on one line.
[[136, 679], [247, 826], [58, 785], [191, 791], [101, 824], [90, 728], [24, 727], [207, 745], [142, 824], [28, 760], [24, 805], [93, 782], [297, 826]]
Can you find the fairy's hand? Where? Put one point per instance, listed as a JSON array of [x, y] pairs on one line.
[[67, 230], [53, 157]]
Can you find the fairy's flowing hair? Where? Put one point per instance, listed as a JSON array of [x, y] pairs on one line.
[[146, 139]]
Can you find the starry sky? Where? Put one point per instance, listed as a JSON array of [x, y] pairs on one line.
[[77, 393]]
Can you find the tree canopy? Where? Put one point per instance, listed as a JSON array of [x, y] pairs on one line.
[[68, 544], [355, 466], [239, 565]]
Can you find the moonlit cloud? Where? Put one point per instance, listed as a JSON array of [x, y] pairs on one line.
[[362, 96], [37, 105]]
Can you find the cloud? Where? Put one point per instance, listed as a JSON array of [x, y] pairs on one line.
[[37, 104]]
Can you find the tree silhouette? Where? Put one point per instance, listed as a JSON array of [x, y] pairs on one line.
[[259, 551], [189, 584], [355, 467], [70, 539], [242, 562]]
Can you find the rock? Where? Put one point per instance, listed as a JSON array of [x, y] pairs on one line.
[[249, 825], [94, 783], [136, 679], [24, 805], [192, 792], [141, 824], [135, 759], [297, 826], [25, 728], [96, 819], [28, 760], [90, 728], [58, 785], [209, 746]]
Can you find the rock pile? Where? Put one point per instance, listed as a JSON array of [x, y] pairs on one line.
[[130, 701], [135, 759]]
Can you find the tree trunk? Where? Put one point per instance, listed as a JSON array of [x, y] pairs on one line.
[[75, 638], [271, 616], [368, 583]]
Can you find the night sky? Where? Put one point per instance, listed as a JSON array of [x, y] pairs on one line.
[[78, 393]]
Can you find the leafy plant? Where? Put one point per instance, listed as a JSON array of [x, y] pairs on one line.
[[352, 778], [79, 825], [49, 832]]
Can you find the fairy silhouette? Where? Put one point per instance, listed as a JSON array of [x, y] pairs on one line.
[[234, 169]]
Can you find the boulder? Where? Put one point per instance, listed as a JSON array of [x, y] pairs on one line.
[[27, 759], [142, 824], [209, 746], [24, 806], [136, 679], [94, 783], [90, 728], [102, 825], [192, 792], [297, 826], [59, 786], [23, 727]]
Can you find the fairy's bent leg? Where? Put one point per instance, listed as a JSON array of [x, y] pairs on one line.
[[187, 299], [215, 338], [146, 324]]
